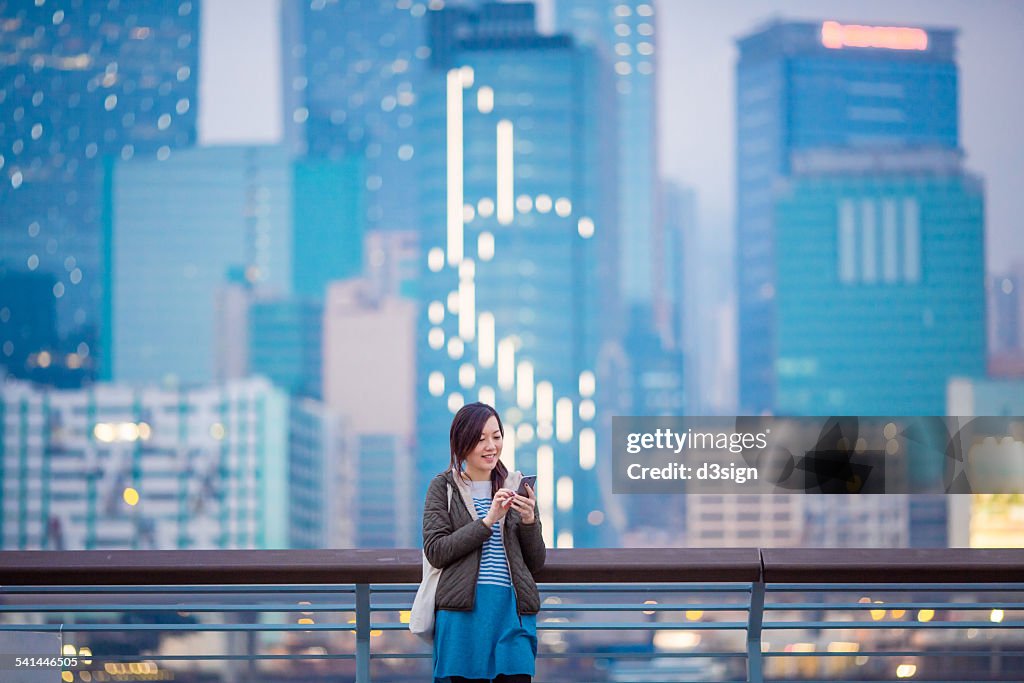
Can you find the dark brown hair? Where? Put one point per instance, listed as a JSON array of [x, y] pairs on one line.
[[467, 426]]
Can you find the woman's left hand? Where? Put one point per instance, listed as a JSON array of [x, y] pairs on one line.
[[524, 505]]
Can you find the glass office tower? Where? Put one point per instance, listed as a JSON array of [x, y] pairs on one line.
[[859, 234], [519, 239], [177, 227], [81, 83], [623, 33], [351, 73]]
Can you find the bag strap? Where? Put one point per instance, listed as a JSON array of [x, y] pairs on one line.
[[449, 497]]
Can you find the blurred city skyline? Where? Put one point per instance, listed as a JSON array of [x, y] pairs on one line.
[[240, 93], [298, 236]]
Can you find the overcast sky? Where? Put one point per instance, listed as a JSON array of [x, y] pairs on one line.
[[240, 90]]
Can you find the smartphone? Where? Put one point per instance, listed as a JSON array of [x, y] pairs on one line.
[[529, 479]]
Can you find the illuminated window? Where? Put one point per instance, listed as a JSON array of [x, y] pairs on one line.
[[485, 246], [435, 259], [455, 348], [435, 312], [587, 383], [585, 227], [564, 493], [485, 207], [435, 338], [485, 100]]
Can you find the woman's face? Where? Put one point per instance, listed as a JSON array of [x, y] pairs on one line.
[[484, 456]]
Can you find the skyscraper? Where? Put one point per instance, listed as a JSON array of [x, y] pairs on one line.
[[124, 467], [369, 381], [859, 234], [327, 223], [286, 343], [322, 478], [350, 85], [82, 83], [178, 227], [624, 36], [519, 281], [1006, 323]]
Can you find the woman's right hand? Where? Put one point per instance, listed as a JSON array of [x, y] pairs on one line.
[[499, 507]]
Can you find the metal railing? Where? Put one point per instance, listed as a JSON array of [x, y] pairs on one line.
[[617, 615]]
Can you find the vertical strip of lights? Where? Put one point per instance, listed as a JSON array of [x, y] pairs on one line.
[[467, 300], [546, 492], [505, 187], [455, 217]]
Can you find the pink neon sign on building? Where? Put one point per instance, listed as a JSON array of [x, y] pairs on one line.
[[836, 36]]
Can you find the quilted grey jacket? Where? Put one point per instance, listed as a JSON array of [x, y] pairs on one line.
[[453, 541]]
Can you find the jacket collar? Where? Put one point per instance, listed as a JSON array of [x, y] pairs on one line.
[[462, 485]]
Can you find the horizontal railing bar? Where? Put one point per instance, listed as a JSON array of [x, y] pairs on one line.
[[551, 626], [888, 680], [641, 626], [598, 654], [739, 587], [796, 566], [171, 607], [596, 607], [642, 655], [74, 627], [872, 680], [907, 653], [604, 626], [171, 589], [125, 659], [893, 587], [601, 607], [839, 625], [862, 680], [655, 587], [781, 606], [618, 607], [365, 566]]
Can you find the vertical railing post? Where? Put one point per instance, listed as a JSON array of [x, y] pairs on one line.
[[755, 618], [362, 633]]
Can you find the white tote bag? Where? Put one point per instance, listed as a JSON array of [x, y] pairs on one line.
[[421, 619]]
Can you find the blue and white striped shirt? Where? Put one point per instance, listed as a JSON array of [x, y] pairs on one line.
[[493, 566]]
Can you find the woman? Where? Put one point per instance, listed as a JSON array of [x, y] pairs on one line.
[[487, 542]]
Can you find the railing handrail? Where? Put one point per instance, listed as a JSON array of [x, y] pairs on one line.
[[581, 565]]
